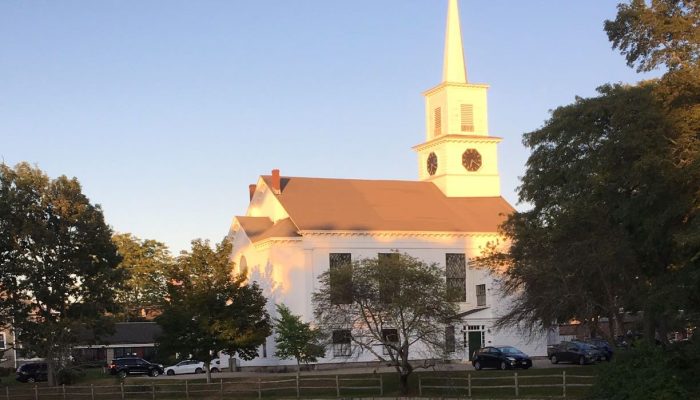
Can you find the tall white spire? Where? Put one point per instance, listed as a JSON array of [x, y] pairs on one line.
[[453, 68]]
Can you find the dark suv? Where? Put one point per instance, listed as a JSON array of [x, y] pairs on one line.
[[32, 372], [133, 365]]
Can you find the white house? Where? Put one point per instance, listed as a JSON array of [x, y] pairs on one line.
[[295, 228]]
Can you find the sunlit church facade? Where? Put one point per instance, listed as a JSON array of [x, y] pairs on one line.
[[296, 228]]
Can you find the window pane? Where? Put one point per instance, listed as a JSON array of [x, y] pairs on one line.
[[480, 295], [450, 339], [341, 277], [456, 277], [389, 285], [341, 343]]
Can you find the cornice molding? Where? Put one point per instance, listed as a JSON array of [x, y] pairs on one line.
[[456, 139], [269, 242], [422, 234], [455, 85]]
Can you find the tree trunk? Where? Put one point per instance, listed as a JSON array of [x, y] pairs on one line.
[[207, 367], [403, 380]]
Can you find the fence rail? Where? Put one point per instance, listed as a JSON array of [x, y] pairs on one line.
[[253, 387], [465, 384]]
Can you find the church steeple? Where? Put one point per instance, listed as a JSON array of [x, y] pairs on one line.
[[458, 155], [453, 69]]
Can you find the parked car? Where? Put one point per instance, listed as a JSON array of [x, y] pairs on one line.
[[501, 357], [185, 367], [33, 372], [575, 352], [603, 346], [133, 365]]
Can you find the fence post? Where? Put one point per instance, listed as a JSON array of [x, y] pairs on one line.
[[121, 385], [297, 386], [337, 386], [92, 391], [187, 390], [36, 393], [7, 392], [259, 390], [563, 383], [63, 391], [420, 386], [517, 389], [221, 388], [469, 383], [381, 385], [153, 390]]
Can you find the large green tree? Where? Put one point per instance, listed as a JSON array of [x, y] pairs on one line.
[[147, 264], [296, 339], [610, 199], [208, 310], [389, 306], [57, 262]]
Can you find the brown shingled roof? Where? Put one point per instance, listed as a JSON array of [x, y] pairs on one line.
[[385, 205]]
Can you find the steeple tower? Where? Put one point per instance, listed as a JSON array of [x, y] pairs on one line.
[[453, 69], [458, 154]]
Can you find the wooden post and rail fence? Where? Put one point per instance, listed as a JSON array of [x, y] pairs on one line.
[[250, 388], [470, 386]]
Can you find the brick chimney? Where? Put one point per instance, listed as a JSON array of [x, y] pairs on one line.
[[276, 186], [251, 190]]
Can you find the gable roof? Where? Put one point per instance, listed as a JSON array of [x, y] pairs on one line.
[[322, 204], [261, 228]]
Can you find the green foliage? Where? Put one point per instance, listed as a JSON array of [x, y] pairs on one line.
[[650, 372], [295, 338], [147, 263], [209, 311], [611, 195], [57, 262], [659, 32], [393, 292], [70, 375]]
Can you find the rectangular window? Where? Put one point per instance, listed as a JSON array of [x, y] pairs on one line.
[[437, 122], [480, 295], [450, 341], [456, 277], [389, 284], [341, 343], [341, 277], [467, 120], [2, 340], [390, 336]]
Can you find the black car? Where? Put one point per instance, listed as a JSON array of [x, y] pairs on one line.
[[603, 346], [574, 352], [33, 372], [133, 365], [501, 357]]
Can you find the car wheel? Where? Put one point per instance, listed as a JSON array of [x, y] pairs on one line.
[[581, 361], [154, 373], [214, 370], [122, 374], [198, 371], [31, 379], [170, 372], [554, 360], [477, 365], [503, 365]]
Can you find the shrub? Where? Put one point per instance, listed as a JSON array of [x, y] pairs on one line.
[[69, 375], [649, 372]]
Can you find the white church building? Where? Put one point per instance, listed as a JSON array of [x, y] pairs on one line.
[[295, 228]]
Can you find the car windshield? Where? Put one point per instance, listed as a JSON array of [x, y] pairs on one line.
[[509, 350]]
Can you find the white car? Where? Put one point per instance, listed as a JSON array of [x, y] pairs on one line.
[[185, 367]]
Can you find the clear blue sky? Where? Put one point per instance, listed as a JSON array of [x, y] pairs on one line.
[[167, 110]]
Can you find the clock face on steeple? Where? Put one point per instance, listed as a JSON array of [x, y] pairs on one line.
[[432, 164], [471, 160]]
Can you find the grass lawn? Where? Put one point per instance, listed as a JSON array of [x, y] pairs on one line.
[[106, 387]]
